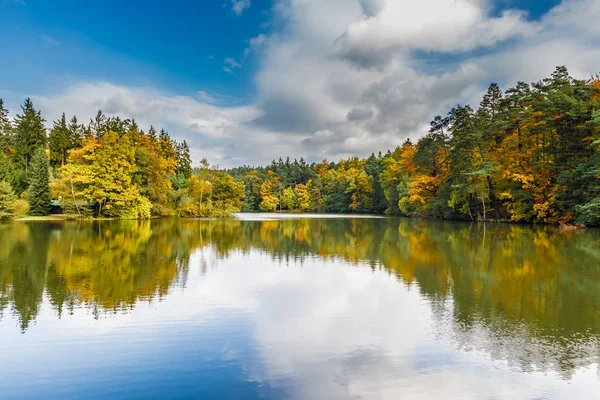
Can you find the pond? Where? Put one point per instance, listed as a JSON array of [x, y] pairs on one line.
[[270, 306]]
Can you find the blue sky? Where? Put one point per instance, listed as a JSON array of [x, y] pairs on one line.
[[176, 47], [248, 80]]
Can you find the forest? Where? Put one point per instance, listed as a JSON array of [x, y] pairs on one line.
[[108, 168], [528, 154]]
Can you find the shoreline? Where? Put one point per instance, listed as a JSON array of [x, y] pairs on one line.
[[63, 218]]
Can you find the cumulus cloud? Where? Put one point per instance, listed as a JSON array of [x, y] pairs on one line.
[[430, 25], [353, 77], [238, 6], [359, 114], [255, 43], [203, 124]]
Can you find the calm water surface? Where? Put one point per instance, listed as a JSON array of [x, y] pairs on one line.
[[298, 308]]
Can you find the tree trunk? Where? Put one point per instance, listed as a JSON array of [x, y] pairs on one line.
[[483, 202], [75, 201], [493, 199], [469, 208]]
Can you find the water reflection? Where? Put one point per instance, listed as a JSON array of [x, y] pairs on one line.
[[528, 296]]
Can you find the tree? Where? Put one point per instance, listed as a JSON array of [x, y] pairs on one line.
[[203, 177], [154, 168], [76, 132], [303, 196], [60, 142], [360, 186], [6, 131], [5, 168], [30, 133], [112, 187], [227, 195], [39, 186], [288, 198], [184, 160], [7, 201], [395, 178], [99, 125], [269, 193], [70, 188]]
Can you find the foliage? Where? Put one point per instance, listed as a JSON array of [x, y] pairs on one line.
[[30, 133], [482, 275], [530, 154], [39, 188], [7, 201]]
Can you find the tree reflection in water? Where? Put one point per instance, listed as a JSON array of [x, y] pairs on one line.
[[524, 294]]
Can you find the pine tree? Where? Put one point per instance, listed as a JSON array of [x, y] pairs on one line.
[[99, 125], [184, 160], [5, 130], [7, 201], [39, 189], [166, 145], [4, 168], [60, 142], [75, 132], [30, 133]]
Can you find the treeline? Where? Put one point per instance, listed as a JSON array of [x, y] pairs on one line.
[[109, 167], [530, 154]]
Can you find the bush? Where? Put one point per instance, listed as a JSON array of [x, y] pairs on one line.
[[162, 210], [21, 208], [589, 213], [141, 209]]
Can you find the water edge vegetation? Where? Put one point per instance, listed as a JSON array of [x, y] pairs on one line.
[[530, 154]]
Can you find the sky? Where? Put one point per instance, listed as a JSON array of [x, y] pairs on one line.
[[248, 81]]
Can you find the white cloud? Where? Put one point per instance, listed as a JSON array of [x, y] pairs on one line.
[[312, 77], [255, 43], [207, 127], [303, 320], [230, 65], [429, 25], [238, 6]]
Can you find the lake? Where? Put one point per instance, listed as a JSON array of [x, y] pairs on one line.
[[298, 307]]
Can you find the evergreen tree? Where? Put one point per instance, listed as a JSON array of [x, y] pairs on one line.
[[60, 142], [99, 125], [7, 201], [184, 160], [4, 168], [30, 133], [6, 130], [39, 187], [75, 132]]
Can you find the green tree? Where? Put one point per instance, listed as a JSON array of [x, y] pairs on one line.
[[60, 142], [184, 160], [5, 168], [288, 198], [6, 131], [39, 186], [227, 194], [7, 201], [30, 133], [76, 132]]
